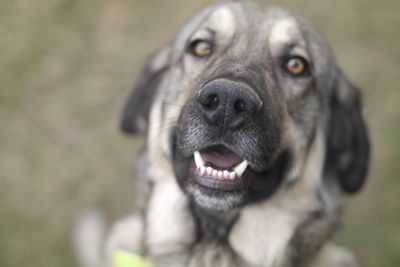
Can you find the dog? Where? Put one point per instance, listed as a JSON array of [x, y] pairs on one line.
[[254, 135]]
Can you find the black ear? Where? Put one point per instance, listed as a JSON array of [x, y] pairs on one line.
[[135, 115], [348, 148]]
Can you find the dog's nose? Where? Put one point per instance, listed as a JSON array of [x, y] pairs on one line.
[[227, 103]]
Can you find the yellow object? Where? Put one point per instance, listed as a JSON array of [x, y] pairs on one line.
[[124, 258]]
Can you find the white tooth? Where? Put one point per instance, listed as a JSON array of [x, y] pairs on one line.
[[198, 159], [239, 169], [215, 173], [226, 174], [220, 174], [202, 170], [209, 170], [232, 175]]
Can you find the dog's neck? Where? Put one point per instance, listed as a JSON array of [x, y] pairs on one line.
[[213, 226]]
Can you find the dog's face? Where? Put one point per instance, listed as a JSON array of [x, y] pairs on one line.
[[237, 100]]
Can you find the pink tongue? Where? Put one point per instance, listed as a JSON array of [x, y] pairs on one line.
[[220, 157]]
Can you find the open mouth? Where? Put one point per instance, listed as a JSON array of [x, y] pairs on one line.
[[219, 168]]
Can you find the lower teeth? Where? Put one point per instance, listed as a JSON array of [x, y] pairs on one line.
[[222, 174], [219, 174]]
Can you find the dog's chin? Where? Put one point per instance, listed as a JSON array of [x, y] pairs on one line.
[[218, 180], [214, 200]]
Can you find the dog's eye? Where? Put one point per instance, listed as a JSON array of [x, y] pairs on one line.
[[296, 65], [201, 48]]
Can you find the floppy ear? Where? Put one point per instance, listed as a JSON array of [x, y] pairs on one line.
[[348, 143], [135, 115]]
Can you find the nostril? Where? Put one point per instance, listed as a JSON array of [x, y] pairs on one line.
[[211, 101], [239, 106], [226, 104]]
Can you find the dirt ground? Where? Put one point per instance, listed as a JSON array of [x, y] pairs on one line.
[[66, 67]]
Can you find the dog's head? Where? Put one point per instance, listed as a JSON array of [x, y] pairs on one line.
[[242, 101]]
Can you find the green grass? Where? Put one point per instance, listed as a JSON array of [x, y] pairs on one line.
[[66, 67]]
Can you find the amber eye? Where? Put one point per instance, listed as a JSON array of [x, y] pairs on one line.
[[296, 65], [201, 48]]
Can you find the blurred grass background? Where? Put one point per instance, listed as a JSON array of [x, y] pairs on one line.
[[66, 67]]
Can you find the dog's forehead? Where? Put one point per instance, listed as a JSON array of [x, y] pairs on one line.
[[270, 25], [255, 34]]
